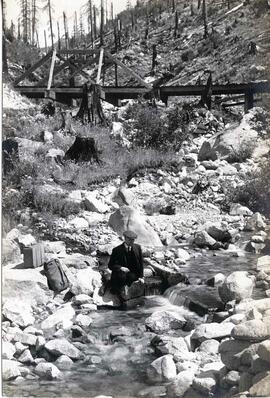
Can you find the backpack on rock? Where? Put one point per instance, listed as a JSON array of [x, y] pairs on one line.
[[56, 277]]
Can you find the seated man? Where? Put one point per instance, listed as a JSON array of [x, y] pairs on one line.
[[126, 263]]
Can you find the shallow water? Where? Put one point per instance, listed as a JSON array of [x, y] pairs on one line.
[[118, 368]]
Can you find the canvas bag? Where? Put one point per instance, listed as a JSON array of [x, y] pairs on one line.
[[56, 277]]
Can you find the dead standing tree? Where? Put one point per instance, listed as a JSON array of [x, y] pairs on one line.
[[91, 105], [4, 50], [48, 7]]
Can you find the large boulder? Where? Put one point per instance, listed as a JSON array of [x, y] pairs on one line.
[[264, 350], [237, 286], [261, 385], [254, 330], [25, 285], [169, 345], [262, 305], [219, 232], [123, 197], [21, 337], [92, 203], [181, 383], [63, 362], [255, 223], [85, 281], [10, 252], [213, 330], [231, 352], [263, 264], [162, 369], [62, 316], [231, 144], [18, 312], [60, 347], [203, 239], [48, 371], [236, 209], [200, 299], [128, 218], [8, 350], [161, 321], [10, 369]]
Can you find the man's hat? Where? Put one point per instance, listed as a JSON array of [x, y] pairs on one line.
[[130, 234]]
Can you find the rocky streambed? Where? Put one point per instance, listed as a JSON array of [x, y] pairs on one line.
[[207, 331], [207, 338]]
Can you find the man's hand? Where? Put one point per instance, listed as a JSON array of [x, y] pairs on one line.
[[124, 269]]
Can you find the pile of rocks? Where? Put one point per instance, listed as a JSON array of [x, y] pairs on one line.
[[30, 352], [228, 357]]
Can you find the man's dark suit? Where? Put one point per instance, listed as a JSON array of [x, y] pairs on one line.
[[132, 260]]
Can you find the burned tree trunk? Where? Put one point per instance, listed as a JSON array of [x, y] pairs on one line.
[[83, 150], [10, 154], [206, 96], [91, 105], [154, 57]]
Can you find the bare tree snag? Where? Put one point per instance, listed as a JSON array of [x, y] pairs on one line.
[[204, 13], [91, 105]]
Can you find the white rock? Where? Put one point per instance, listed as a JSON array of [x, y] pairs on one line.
[[20, 347], [162, 369], [128, 218], [238, 210], [164, 320], [86, 281], [48, 136], [180, 384], [24, 338], [123, 196], [26, 240], [63, 347], [75, 196], [205, 385], [78, 223], [55, 152], [82, 299], [48, 371], [10, 369], [237, 286], [209, 346], [83, 320], [257, 239], [117, 129], [182, 254], [63, 362], [213, 330], [8, 350], [94, 204], [26, 357], [255, 222], [61, 315], [263, 264]]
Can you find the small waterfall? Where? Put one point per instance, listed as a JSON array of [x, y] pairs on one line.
[[153, 286], [175, 295]]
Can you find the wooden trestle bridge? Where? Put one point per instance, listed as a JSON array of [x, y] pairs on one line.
[[78, 59]]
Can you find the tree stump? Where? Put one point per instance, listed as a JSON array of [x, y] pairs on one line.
[[83, 150]]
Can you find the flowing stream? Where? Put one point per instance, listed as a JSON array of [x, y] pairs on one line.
[[115, 365]]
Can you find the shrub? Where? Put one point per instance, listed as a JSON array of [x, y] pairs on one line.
[[56, 203], [243, 153], [255, 193], [260, 7], [153, 128]]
